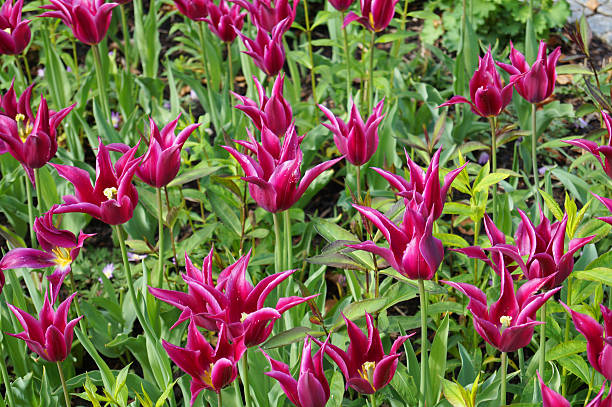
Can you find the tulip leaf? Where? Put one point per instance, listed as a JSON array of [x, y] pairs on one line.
[[164, 396], [451, 240], [338, 260], [488, 180], [358, 309], [336, 387], [571, 69], [577, 366], [290, 336], [197, 172], [430, 287], [552, 205], [601, 275], [565, 349], [332, 232], [437, 359], [454, 393]]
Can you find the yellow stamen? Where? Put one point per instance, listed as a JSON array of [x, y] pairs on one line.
[[24, 129], [62, 256], [207, 376], [243, 316], [367, 372], [505, 321], [110, 193]]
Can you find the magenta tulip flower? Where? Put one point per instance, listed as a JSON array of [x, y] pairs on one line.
[[113, 197], [608, 204], [423, 191], [508, 324], [210, 369], [15, 33], [196, 10], [375, 14], [551, 398], [356, 140], [268, 16], [88, 19], [267, 50], [272, 112], [50, 337], [224, 21], [341, 5], [597, 150], [233, 302], [488, 97], [537, 83], [31, 142], [273, 178], [365, 365], [599, 339], [311, 389]]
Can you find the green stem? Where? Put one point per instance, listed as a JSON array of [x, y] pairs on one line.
[[171, 233], [219, 399], [371, 73], [160, 241], [503, 368], [213, 111], [126, 38], [39, 201], [476, 236], [566, 332], [310, 55], [493, 122], [521, 355], [542, 363], [534, 159], [101, 83], [231, 79], [6, 379], [358, 183], [244, 376], [130, 281], [588, 396], [27, 67], [66, 394], [288, 241], [20, 69], [373, 400], [423, 382], [347, 60], [278, 248], [28, 187]]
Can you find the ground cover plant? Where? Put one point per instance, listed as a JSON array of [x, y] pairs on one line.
[[307, 203]]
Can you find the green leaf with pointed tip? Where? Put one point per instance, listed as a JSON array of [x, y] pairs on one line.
[[290, 336]]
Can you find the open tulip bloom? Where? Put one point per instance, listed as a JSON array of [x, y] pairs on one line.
[[375, 14], [113, 197], [508, 324], [224, 20], [311, 389], [49, 336], [266, 15], [267, 49], [597, 150], [15, 33], [364, 364], [233, 302], [551, 398], [273, 177]]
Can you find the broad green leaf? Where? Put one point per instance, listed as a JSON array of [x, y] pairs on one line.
[[290, 336], [437, 359], [565, 349], [195, 173], [488, 180], [453, 393], [601, 275], [552, 205], [451, 240], [356, 310]]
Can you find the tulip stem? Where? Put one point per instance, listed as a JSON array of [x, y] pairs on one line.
[[534, 159], [39, 201], [213, 111], [566, 332], [493, 122], [27, 67], [373, 400], [5, 378], [347, 60], [219, 399], [244, 376], [61, 373], [171, 234], [423, 382], [371, 72], [230, 82], [278, 248], [101, 84], [160, 241], [126, 38], [358, 183], [288, 241], [310, 55], [28, 188], [542, 364], [503, 368]]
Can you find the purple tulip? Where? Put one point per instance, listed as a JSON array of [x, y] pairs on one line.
[[233, 302], [508, 324], [88, 19], [423, 191], [356, 140], [211, 369], [599, 339], [488, 97], [15, 33], [608, 204], [273, 112], [50, 337], [267, 50], [596, 149], [311, 389], [196, 10], [113, 197], [375, 14], [413, 251], [266, 15], [551, 398], [365, 365], [538, 82], [341, 5], [273, 178], [224, 21]]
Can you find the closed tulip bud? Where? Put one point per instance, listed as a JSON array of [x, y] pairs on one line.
[[196, 10], [267, 50], [224, 21], [375, 14], [537, 82], [15, 33], [488, 97], [264, 14], [341, 5], [88, 19]]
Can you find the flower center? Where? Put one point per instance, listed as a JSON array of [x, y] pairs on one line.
[[62, 256], [243, 316], [207, 376], [505, 321], [110, 193], [24, 127], [367, 372]]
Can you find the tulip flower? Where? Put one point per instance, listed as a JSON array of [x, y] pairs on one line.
[[375, 14], [488, 97], [267, 50], [365, 365], [423, 190], [311, 389], [413, 251], [356, 140], [15, 33], [88, 19], [599, 339], [224, 21], [31, 142], [341, 5], [50, 337], [211, 369], [113, 197], [266, 15], [508, 324], [196, 10], [597, 150], [608, 204], [273, 181], [233, 302], [538, 82], [551, 398], [273, 112], [11, 107]]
